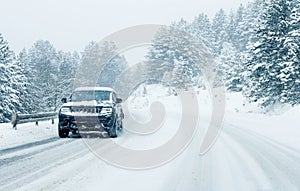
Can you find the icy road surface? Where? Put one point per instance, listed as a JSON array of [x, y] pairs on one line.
[[253, 152]]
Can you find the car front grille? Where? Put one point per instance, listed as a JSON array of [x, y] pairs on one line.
[[86, 109]]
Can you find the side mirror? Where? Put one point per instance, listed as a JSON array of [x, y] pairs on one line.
[[119, 100], [64, 100]]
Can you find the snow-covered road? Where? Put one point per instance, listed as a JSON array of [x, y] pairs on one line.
[[243, 158], [240, 160]]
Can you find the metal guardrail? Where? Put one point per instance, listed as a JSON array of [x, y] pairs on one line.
[[26, 118]]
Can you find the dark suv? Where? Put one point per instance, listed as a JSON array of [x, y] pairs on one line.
[[91, 109]]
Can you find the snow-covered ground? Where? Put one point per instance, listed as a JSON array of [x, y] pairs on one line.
[[283, 128], [26, 133], [254, 151]]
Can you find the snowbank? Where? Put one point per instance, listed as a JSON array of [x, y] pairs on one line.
[[281, 126], [26, 133]]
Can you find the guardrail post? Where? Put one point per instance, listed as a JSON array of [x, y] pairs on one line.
[[14, 121]]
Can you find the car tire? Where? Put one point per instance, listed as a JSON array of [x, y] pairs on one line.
[[121, 126], [113, 130], [62, 133]]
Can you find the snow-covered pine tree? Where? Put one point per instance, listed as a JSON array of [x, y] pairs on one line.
[[10, 82], [159, 56], [10, 91], [44, 60], [231, 67], [265, 80], [87, 65], [112, 71], [67, 67], [245, 32], [100, 65], [91, 64], [6, 108], [28, 94], [231, 27], [19, 83], [234, 33], [6, 55], [219, 27], [179, 77], [113, 68], [171, 47], [290, 74], [202, 29]]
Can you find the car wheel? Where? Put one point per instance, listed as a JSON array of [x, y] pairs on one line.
[[62, 133], [121, 126], [113, 131]]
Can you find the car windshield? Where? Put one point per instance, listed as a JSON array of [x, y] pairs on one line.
[[90, 96]]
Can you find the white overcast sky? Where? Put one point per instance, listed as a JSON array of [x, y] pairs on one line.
[[70, 24]]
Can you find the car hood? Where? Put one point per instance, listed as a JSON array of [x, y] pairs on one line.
[[88, 104]]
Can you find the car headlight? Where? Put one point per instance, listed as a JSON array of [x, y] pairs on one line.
[[65, 110], [106, 110]]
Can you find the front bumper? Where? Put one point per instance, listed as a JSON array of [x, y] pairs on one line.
[[85, 122]]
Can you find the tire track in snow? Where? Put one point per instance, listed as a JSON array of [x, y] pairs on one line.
[[293, 153], [249, 170], [28, 145], [27, 152], [30, 168], [281, 168]]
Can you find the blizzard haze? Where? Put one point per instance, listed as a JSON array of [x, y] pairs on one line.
[[70, 25]]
